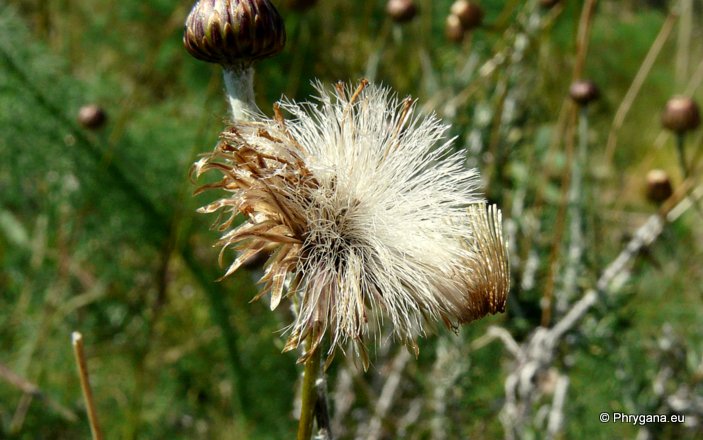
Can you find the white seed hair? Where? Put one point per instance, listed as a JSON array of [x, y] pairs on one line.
[[376, 215]]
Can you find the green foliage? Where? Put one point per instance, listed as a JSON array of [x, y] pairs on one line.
[[98, 231]]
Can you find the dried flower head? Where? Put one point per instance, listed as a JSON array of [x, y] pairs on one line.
[[374, 218]]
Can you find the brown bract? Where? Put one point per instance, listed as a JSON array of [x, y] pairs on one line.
[[231, 32]]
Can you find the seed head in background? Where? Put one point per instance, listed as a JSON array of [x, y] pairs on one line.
[[373, 217]]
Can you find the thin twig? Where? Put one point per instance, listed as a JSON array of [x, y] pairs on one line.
[[636, 85], [388, 394], [77, 340], [28, 387]]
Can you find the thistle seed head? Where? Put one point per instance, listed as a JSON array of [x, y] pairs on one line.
[[232, 32], [373, 216], [681, 115]]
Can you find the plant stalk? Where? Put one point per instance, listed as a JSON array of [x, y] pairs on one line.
[[239, 83], [77, 342], [309, 393], [680, 145]]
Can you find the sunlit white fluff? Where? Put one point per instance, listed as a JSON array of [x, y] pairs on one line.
[[375, 219]]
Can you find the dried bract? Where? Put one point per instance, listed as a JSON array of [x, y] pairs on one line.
[[374, 218]]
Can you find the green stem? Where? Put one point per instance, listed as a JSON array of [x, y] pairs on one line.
[[680, 144], [309, 394]]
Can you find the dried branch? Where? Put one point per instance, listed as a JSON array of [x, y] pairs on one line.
[[535, 356]]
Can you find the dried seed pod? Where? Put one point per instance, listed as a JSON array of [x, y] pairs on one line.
[[681, 114], [92, 116], [583, 92], [230, 32], [453, 29], [658, 186], [469, 13], [401, 11]]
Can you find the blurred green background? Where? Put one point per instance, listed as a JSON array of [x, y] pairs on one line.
[[98, 231]]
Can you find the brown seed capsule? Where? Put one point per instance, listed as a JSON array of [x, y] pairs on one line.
[[658, 186], [230, 32], [401, 11], [681, 114], [469, 13], [583, 92], [92, 116], [300, 5], [453, 29]]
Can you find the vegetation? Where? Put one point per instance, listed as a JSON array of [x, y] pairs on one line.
[[98, 230]]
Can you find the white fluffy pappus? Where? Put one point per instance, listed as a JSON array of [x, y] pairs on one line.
[[372, 216]]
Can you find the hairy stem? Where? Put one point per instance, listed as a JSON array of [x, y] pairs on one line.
[[309, 394], [239, 83]]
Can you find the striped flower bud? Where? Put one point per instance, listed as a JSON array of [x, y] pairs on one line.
[[230, 32]]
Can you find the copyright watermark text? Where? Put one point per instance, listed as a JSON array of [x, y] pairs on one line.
[[641, 419]]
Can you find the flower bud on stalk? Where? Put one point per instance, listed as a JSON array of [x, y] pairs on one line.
[[453, 29], [658, 186], [401, 11], [681, 115], [235, 34], [470, 14], [92, 116], [584, 92]]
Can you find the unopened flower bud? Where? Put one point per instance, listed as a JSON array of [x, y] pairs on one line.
[[584, 92], [401, 11], [469, 13], [681, 114], [92, 116], [231, 32], [658, 186], [453, 29]]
